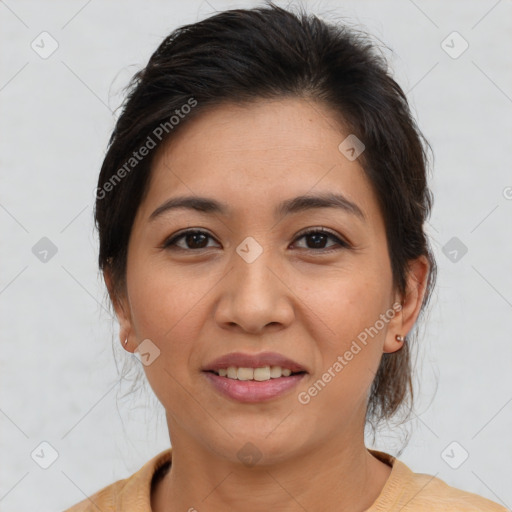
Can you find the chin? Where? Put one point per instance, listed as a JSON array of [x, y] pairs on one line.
[[252, 447]]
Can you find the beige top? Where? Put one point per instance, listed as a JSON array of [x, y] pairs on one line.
[[404, 491]]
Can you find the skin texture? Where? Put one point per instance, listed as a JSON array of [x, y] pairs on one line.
[[196, 304]]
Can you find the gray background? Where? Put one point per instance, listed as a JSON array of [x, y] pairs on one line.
[[59, 380]]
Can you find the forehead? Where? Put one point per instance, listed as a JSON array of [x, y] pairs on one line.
[[259, 153], [270, 130]]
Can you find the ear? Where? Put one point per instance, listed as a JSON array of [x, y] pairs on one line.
[[122, 309], [406, 316]]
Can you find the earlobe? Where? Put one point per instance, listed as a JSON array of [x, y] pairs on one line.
[[411, 303]]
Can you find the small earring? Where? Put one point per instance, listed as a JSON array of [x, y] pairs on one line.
[[126, 341], [399, 338]]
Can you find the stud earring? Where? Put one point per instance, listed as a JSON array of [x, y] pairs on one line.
[[126, 341], [399, 338]]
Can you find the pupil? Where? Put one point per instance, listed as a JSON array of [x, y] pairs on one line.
[[192, 239], [318, 239]]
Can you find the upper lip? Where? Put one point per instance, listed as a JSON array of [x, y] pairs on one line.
[[241, 360]]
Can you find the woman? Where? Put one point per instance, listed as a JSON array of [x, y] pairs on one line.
[[260, 212]]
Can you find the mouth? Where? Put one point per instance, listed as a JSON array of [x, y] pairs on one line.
[[254, 378]]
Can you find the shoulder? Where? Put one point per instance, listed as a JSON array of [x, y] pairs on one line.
[[435, 494], [132, 493], [105, 499], [418, 492]]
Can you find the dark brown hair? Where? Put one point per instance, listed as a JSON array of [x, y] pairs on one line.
[[267, 52]]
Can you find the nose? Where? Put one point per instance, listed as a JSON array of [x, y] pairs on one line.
[[255, 296]]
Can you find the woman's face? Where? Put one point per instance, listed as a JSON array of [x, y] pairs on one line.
[[251, 283]]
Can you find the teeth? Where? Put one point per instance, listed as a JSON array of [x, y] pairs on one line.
[[245, 373], [275, 372], [262, 373], [258, 374]]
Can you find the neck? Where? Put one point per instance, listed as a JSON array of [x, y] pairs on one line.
[[333, 476]]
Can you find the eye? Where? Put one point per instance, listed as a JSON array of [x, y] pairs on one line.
[[318, 237], [193, 238]]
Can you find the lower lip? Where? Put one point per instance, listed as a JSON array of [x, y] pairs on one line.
[[251, 391]]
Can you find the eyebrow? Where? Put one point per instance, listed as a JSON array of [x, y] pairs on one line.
[[287, 207]]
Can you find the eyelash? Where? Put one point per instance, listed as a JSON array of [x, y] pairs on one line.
[[170, 243]]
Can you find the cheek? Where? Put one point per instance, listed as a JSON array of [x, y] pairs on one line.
[[352, 301], [351, 308], [167, 311], [166, 308]]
